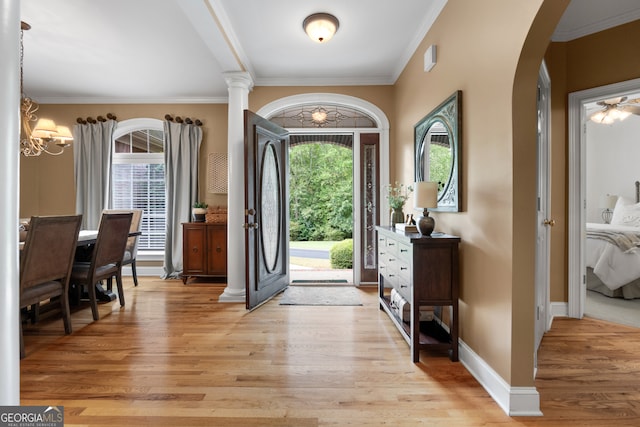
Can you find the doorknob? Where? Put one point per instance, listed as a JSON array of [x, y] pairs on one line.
[[550, 222]]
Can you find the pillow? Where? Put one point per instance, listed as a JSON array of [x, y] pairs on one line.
[[626, 213]]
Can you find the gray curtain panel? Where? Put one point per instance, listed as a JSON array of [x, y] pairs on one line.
[[92, 164], [181, 152]]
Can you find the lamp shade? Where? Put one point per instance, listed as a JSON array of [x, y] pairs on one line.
[[320, 27], [609, 201], [425, 195], [45, 128], [64, 132]]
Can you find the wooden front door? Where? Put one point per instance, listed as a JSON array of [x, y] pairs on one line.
[[266, 152]]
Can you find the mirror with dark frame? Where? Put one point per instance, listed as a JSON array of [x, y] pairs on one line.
[[437, 151]]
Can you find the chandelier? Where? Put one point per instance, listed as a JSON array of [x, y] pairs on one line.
[[45, 136]]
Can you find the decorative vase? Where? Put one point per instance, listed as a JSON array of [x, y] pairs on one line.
[[198, 214], [397, 216]]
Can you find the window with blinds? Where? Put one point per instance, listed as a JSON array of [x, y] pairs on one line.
[[138, 182]]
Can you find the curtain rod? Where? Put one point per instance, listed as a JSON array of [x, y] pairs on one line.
[[186, 120], [97, 119]]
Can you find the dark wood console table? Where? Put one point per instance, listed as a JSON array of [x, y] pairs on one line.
[[424, 271]]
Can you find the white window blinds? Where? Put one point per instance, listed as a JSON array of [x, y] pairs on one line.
[[138, 182]]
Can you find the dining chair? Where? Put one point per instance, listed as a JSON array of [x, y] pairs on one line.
[[106, 258], [131, 250], [45, 264]]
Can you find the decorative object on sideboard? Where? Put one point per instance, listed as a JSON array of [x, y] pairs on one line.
[[609, 203], [320, 27], [217, 172], [216, 215], [45, 134], [199, 211], [426, 197], [437, 151], [397, 195]]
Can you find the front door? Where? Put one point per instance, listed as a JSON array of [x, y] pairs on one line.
[[266, 151]]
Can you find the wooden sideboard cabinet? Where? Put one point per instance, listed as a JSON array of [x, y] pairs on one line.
[[424, 271], [204, 250]]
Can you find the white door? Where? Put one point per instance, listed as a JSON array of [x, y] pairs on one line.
[[543, 208]]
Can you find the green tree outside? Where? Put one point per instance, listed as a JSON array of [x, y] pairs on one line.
[[439, 164], [320, 192]]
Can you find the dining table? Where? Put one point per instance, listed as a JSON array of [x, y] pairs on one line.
[[86, 240]]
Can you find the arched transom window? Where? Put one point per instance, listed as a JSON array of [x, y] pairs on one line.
[[322, 116]]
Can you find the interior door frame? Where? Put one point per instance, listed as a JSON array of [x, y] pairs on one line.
[[382, 128], [576, 268], [542, 311]]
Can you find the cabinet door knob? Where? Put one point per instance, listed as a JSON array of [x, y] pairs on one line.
[[550, 222]]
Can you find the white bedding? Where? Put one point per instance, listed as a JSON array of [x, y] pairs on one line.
[[614, 267]]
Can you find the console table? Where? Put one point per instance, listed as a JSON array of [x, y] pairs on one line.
[[204, 250], [424, 271]]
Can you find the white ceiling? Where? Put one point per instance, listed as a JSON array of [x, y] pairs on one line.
[[155, 51]]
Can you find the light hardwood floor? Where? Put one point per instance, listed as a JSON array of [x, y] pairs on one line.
[[175, 357]]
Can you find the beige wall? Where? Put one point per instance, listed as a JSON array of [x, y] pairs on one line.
[[491, 61], [47, 182]]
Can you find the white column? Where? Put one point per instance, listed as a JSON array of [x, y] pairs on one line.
[[239, 83], [9, 199]]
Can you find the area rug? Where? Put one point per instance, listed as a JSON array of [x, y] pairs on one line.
[[320, 295], [302, 282]]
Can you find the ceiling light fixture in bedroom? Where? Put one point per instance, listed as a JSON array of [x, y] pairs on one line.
[[615, 109], [320, 27], [37, 140]]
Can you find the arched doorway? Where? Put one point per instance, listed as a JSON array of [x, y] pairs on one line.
[[370, 159]]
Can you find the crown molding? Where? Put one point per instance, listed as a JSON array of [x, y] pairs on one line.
[[328, 81], [595, 27], [412, 47], [107, 100]]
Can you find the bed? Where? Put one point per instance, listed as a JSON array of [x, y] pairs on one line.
[[613, 251]]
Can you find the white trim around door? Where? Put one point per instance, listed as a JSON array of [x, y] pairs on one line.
[[577, 182]]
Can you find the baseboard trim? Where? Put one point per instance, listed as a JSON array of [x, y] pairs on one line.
[[143, 271], [559, 309], [514, 401]]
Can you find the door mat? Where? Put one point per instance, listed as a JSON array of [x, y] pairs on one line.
[[295, 282], [320, 295]]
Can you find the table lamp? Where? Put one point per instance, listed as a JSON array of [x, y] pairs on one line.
[[609, 203], [425, 196]]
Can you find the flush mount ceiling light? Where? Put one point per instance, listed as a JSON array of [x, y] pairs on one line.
[[320, 26]]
